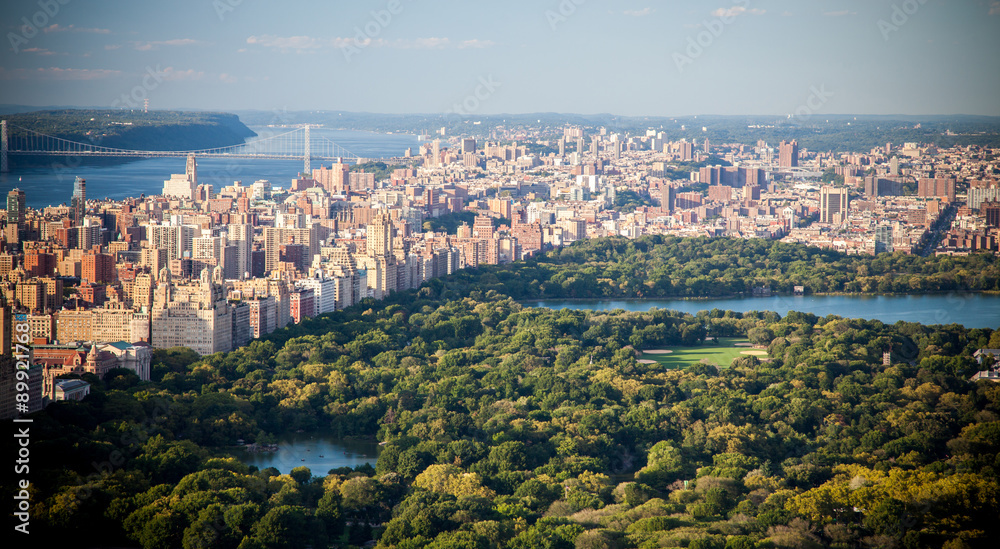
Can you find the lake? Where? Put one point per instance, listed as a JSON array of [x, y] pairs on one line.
[[53, 185], [317, 452], [968, 309]]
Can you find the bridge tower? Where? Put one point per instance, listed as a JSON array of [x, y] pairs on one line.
[[307, 169], [4, 167]]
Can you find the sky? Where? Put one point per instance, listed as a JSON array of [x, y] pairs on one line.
[[635, 58]]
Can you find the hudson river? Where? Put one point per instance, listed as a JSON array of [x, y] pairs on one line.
[[53, 185]]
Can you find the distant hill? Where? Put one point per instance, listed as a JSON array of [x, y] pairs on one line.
[[156, 130], [844, 133]]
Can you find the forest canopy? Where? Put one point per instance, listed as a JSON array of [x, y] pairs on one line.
[[505, 426]]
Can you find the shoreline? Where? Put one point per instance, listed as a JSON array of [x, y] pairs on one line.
[[749, 297]]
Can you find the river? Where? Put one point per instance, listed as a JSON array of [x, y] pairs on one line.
[[53, 185], [968, 309]]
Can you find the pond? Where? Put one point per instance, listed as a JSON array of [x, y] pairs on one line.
[[318, 452]]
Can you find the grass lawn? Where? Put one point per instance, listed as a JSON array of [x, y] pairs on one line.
[[721, 354]]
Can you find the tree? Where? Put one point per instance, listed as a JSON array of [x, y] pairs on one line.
[[449, 479], [301, 474], [760, 336], [328, 510], [362, 498], [284, 527]]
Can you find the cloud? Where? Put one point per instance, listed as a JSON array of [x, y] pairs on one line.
[[111, 47], [841, 13], [298, 43], [476, 44], [424, 44], [172, 74], [737, 10], [73, 28], [147, 46], [227, 78], [57, 73], [640, 13], [995, 8], [309, 44], [41, 51]]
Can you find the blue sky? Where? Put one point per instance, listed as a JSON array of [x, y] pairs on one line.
[[580, 56]]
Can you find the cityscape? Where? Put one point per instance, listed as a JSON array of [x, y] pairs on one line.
[[228, 326]]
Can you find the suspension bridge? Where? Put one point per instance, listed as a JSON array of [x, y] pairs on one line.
[[295, 144]]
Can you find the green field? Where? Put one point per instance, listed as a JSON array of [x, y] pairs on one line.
[[720, 354]]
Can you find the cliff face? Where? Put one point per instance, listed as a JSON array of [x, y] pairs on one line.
[[183, 137], [158, 130]]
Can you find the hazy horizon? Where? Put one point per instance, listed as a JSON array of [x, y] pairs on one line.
[[525, 113]]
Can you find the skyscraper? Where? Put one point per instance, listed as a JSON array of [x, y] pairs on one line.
[[191, 170], [883, 238], [833, 202], [436, 152], [78, 203], [788, 154], [380, 236], [241, 236], [15, 215], [668, 197], [991, 211]]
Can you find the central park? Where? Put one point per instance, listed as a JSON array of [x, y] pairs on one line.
[[501, 425]]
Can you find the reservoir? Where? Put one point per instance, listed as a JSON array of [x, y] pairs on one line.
[[968, 309], [318, 452]]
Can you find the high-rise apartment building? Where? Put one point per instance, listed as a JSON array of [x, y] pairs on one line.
[[379, 236], [275, 237], [991, 210], [335, 179], [98, 268], [241, 236], [788, 154], [15, 215], [941, 187], [194, 314], [78, 202], [883, 238], [833, 203], [178, 186]]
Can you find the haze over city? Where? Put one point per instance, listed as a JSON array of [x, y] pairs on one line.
[[585, 56]]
